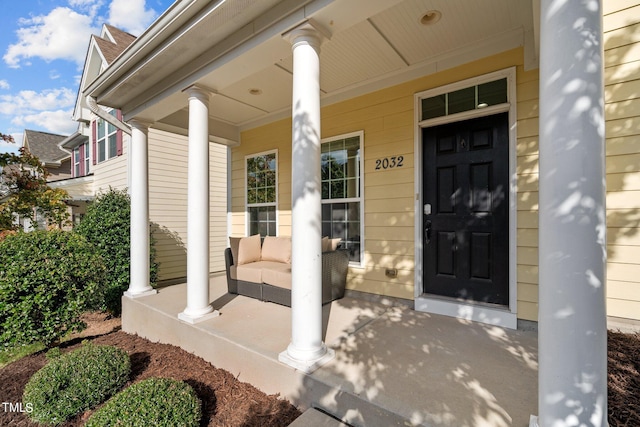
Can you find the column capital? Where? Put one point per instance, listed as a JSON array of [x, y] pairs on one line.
[[140, 124], [200, 92], [309, 32]]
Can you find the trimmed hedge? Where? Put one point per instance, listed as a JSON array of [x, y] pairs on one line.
[[106, 226], [161, 402], [74, 382], [47, 280]]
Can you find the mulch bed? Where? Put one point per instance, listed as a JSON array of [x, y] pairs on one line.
[[624, 379], [229, 402], [226, 401]]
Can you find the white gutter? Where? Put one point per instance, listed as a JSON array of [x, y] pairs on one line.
[[95, 108], [148, 39]]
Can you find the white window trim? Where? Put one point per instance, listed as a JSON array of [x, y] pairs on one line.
[[87, 160], [257, 205], [77, 164], [359, 134], [106, 139], [506, 317]]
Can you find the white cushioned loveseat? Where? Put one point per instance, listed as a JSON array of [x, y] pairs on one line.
[[263, 270]]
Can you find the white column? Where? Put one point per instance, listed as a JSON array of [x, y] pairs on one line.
[[139, 227], [572, 387], [198, 307], [306, 351]]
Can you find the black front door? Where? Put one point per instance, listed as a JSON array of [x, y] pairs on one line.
[[466, 211]]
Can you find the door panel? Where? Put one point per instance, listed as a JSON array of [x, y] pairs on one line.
[[466, 239]]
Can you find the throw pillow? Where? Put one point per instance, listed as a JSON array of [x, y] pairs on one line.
[[277, 249], [249, 249]]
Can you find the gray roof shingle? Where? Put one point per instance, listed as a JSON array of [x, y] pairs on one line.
[[44, 146]]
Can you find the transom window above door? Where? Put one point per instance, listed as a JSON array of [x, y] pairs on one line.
[[466, 99]]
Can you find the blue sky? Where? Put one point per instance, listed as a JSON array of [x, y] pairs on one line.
[[43, 45]]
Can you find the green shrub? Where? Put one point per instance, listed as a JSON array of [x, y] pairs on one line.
[[47, 280], [74, 382], [106, 226], [161, 402]]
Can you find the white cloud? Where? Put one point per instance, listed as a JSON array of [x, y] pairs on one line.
[[85, 4], [131, 15], [58, 121], [27, 101], [50, 109], [90, 7], [4, 84], [62, 34]]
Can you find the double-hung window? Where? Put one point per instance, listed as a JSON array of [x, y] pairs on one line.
[[262, 196], [81, 160], [342, 188], [77, 162], [108, 138]]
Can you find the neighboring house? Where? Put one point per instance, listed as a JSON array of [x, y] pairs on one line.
[[44, 146], [100, 160], [422, 133]]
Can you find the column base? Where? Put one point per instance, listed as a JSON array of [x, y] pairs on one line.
[[307, 366], [193, 318], [150, 291]]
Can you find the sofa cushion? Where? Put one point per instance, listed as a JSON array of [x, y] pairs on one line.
[[234, 244], [279, 276], [276, 249], [255, 271], [330, 244], [248, 250], [249, 272]]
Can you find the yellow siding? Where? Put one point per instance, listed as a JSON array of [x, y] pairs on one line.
[[387, 119], [168, 203], [622, 107], [527, 146], [113, 172]]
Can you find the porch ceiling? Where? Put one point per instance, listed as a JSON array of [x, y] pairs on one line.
[[235, 49]]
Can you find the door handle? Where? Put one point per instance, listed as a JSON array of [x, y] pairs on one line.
[[427, 232]]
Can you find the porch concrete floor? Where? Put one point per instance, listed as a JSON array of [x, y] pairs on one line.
[[393, 366]]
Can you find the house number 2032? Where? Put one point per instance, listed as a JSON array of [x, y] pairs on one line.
[[390, 162]]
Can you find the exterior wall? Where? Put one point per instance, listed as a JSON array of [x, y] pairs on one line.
[[622, 106], [527, 204], [387, 119], [112, 173], [168, 202], [62, 172]]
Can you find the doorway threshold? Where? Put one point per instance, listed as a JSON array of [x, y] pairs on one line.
[[490, 314]]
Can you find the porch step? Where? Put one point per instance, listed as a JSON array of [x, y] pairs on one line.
[[314, 418]]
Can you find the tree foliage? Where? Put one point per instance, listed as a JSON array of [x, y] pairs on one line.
[[106, 225], [24, 191]]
